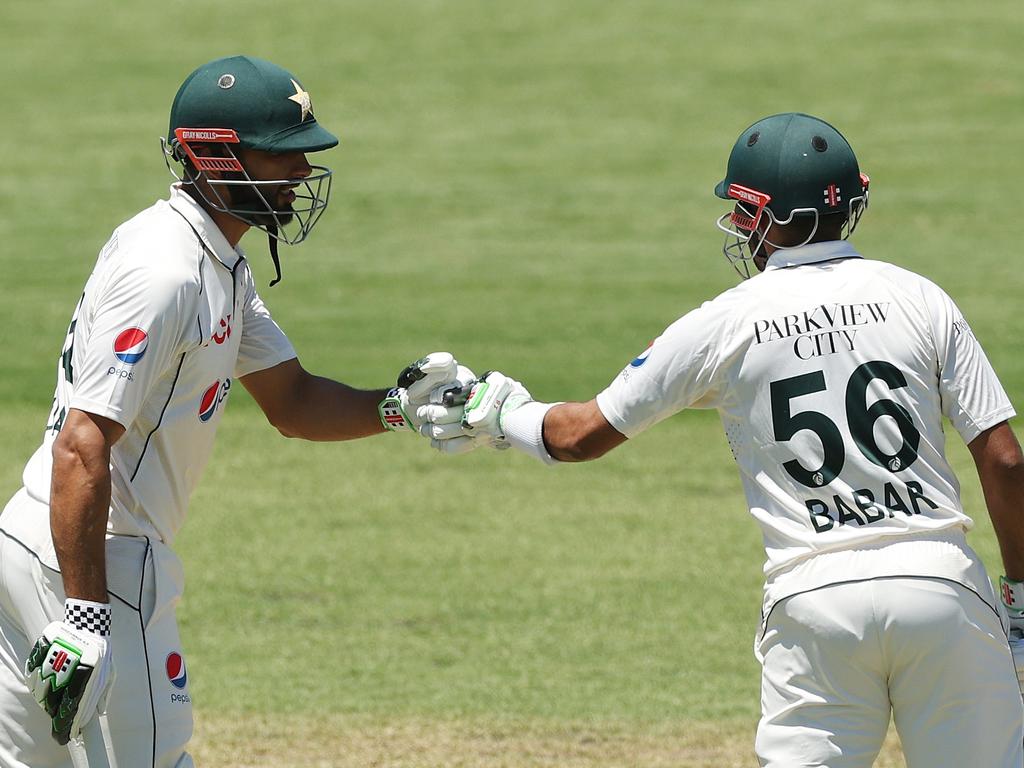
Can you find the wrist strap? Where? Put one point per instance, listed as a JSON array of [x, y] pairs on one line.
[[1012, 593], [87, 615], [391, 414], [524, 429]]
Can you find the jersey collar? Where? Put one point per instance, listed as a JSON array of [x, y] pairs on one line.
[[204, 226], [812, 254]]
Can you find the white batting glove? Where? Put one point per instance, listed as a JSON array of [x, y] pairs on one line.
[[428, 400], [1011, 592], [493, 397], [70, 670]]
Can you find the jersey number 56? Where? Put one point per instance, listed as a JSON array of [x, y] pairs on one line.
[[860, 417]]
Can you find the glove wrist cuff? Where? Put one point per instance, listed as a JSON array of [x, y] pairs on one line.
[[88, 616], [1012, 594], [392, 415], [524, 429]]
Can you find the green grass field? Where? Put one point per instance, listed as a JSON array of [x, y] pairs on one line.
[[529, 185]]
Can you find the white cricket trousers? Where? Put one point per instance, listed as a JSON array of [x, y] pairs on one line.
[[150, 711], [838, 658]]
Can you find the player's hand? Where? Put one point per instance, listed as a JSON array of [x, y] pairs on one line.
[[492, 397], [429, 400], [70, 673]]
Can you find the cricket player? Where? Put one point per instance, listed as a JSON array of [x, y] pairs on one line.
[[169, 323], [832, 374]]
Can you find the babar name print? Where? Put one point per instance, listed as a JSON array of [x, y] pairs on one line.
[[864, 506], [822, 330]]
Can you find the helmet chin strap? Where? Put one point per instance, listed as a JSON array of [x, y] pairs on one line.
[[272, 241]]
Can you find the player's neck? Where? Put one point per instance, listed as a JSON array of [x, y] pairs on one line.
[[230, 226]]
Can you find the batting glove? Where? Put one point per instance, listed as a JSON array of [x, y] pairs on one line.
[[70, 670], [429, 400], [1012, 594], [492, 398]]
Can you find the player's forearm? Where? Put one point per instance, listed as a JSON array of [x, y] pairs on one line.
[[329, 410], [79, 507], [578, 432], [1000, 464], [1004, 495]]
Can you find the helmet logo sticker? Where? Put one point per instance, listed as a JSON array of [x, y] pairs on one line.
[[833, 195], [301, 98], [226, 81]]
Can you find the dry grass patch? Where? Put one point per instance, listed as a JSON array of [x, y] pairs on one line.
[[361, 742]]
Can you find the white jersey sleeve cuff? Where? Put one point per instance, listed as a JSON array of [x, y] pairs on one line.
[[106, 410], [972, 429], [606, 404], [254, 366]]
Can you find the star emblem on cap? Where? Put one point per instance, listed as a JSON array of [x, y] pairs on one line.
[[301, 98]]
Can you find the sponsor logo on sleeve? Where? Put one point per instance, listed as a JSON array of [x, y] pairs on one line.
[[178, 677], [176, 671], [214, 395], [642, 357], [130, 345]]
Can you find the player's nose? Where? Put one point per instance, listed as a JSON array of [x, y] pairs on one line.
[[302, 168]]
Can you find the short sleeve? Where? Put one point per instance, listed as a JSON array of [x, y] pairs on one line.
[[682, 368], [132, 332], [973, 399], [263, 344]]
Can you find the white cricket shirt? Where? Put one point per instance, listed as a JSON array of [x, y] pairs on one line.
[[831, 374], [169, 320]]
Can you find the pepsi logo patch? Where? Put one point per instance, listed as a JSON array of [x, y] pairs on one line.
[[642, 357], [130, 345], [214, 395], [176, 672]]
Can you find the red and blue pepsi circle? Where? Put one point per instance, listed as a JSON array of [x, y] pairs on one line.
[[642, 357], [130, 345], [176, 672], [209, 402]]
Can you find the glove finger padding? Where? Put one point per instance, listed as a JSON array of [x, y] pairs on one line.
[[69, 672], [456, 391], [439, 414], [420, 378], [493, 395], [447, 431]]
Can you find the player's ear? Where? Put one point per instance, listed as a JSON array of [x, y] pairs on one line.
[[209, 150]]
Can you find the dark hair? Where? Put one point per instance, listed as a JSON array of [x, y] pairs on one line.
[[830, 227]]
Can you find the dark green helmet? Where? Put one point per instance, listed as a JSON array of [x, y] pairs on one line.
[[265, 105], [785, 166], [240, 102]]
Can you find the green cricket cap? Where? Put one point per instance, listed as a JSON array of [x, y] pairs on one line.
[[263, 103]]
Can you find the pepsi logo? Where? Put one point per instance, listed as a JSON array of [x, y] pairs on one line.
[[214, 395], [176, 672], [130, 345], [642, 357]]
